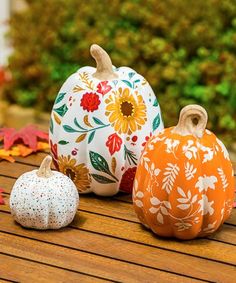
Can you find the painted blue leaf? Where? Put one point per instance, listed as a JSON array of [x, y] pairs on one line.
[[69, 129], [127, 83], [115, 82], [156, 122], [51, 126], [60, 96], [155, 103], [98, 121], [131, 75], [78, 125], [91, 136], [61, 110]]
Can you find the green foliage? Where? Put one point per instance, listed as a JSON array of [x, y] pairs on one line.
[[186, 49]]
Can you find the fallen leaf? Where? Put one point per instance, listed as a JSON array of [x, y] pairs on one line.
[[28, 135]]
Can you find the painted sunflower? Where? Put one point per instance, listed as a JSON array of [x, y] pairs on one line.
[[126, 111], [78, 173]]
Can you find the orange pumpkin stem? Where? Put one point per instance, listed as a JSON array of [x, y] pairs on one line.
[[45, 168], [192, 121], [104, 65]]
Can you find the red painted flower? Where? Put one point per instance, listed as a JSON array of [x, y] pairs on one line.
[[90, 101], [127, 180], [1, 197], [114, 143], [103, 87], [146, 139]]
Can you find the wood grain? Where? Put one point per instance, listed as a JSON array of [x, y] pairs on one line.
[[88, 263], [134, 232], [125, 251], [21, 270], [106, 242]]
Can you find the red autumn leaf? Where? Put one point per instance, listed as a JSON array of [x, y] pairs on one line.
[[1, 197], [114, 143], [28, 135], [103, 87]]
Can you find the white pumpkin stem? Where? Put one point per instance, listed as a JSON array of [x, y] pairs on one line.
[[45, 168], [104, 65], [192, 121]]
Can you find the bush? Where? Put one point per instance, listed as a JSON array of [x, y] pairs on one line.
[[185, 48]]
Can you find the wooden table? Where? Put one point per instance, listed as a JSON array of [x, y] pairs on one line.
[[106, 243]]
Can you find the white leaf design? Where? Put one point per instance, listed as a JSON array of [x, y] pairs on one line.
[[164, 210], [171, 145], [223, 178], [182, 200], [167, 204], [181, 192], [189, 150], [155, 201], [183, 206], [189, 171], [194, 199], [135, 184], [223, 149], [160, 218], [209, 152], [157, 171], [153, 209], [170, 175], [139, 194], [138, 203], [206, 206], [205, 182], [189, 194]]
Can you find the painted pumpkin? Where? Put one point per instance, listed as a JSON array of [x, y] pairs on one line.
[[44, 199], [184, 185], [101, 119]]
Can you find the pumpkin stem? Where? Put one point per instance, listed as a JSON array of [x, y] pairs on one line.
[[45, 168], [192, 121], [104, 65]]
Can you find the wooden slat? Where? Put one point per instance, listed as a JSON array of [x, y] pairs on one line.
[[105, 206], [126, 251], [83, 262], [134, 232], [21, 270]]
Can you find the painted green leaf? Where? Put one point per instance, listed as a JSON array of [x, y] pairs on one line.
[[62, 142], [91, 136], [99, 162], [98, 121], [155, 103], [69, 129], [102, 179], [156, 122], [60, 96], [61, 110], [78, 125], [51, 126], [127, 83], [136, 81]]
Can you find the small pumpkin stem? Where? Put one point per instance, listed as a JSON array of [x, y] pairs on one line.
[[104, 65], [192, 121], [45, 168]]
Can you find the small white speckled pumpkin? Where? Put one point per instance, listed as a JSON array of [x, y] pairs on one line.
[[44, 199], [101, 119]]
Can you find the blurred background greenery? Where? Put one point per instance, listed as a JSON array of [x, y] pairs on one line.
[[186, 49]]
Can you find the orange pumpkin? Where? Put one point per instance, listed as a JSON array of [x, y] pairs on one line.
[[184, 185]]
